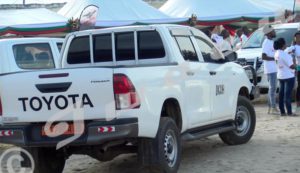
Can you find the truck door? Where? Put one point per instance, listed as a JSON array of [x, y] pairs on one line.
[[197, 89], [220, 79]]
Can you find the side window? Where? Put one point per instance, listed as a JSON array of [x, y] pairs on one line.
[[209, 52], [186, 47], [59, 46], [150, 45], [103, 48], [79, 51], [124, 46], [33, 56]]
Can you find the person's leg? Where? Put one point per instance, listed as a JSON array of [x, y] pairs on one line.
[[289, 85], [298, 89], [273, 87], [281, 96], [269, 92]]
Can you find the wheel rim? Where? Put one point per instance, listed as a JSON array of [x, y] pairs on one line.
[[170, 148], [243, 121]]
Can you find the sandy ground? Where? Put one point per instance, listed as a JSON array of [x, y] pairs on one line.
[[274, 148]]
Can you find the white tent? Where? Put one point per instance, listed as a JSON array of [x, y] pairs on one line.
[[275, 5], [118, 12], [32, 1], [32, 21], [217, 11]]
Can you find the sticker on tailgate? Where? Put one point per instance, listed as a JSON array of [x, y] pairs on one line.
[[60, 102]]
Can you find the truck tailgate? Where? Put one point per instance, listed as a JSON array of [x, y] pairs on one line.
[[58, 95]]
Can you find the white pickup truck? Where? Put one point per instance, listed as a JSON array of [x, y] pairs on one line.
[[140, 89], [23, 54]]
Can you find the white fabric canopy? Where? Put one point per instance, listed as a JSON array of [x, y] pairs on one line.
[[118, 12], [215, 10], [24, 17], [32, 1], [275, 5]]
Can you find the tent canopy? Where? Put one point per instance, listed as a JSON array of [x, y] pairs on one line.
[[32, 1], [31, 21], [275, 5], [217, 11], [118, 12]]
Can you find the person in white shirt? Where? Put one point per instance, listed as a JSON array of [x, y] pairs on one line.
[[270, 68], [295, 50], [226, 43], [239, 39], [285, 75]]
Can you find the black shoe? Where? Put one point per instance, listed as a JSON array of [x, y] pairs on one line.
[[293, 115], [283, 115]]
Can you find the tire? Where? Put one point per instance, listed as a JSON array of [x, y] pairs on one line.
[[245, 122], [47, 160], [162, 154]]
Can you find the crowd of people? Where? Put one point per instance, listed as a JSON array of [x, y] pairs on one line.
[[227, 42], [281, 63]]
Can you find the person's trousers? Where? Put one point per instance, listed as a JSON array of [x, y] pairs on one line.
[[285, 95], [298, 88], [272, 79]]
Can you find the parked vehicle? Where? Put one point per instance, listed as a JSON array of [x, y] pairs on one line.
[[19, 54], [139, 89], [251, 52]]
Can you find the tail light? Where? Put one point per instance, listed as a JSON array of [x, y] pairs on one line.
[[126, 96]]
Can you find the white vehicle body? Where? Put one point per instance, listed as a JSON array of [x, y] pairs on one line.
[[8, 61], [251, 52], [133, 85]]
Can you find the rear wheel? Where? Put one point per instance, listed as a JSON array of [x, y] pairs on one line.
[[245, 123], [162, 154]]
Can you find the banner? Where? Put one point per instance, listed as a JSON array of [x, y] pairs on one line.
[[88, 17]]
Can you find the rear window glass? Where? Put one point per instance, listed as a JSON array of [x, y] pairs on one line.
[[125, 46], [79, 51], [103, 48], [150, 45], [34, 56]]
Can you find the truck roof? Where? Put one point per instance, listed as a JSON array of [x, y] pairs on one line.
[[32, 39], [129, 28]]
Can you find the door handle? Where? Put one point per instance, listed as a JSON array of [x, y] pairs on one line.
[[212, 73], [53, 87], [190, 73]]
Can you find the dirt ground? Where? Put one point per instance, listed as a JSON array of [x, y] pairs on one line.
[[274, 148]]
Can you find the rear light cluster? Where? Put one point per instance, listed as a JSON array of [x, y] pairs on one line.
[[126, 96]]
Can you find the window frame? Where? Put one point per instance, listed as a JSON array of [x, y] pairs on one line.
[[191, 40], [139, 43], [112, 48], [90, 51], [213, 47], [134, 46], [20, 44]]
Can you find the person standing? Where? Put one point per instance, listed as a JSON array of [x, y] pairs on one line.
[[226, 43], [286, 77], [270, 68], [295, 50]]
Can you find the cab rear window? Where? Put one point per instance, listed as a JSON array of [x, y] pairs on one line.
[[33, 56]]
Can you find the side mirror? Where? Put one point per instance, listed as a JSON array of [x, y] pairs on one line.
[[230, 56]]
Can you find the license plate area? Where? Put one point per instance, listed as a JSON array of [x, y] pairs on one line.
[[62, 129]]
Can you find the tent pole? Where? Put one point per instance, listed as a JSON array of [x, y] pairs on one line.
[[293, 7]]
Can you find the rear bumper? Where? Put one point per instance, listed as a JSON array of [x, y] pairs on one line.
[[95, 133]]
